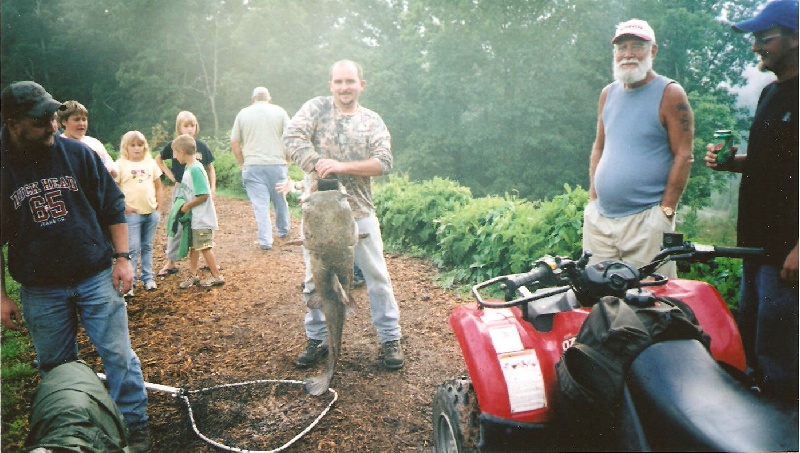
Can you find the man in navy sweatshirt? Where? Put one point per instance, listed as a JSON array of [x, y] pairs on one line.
[[63, 219]]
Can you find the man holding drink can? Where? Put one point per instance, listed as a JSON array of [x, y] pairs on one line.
[[768, 205]]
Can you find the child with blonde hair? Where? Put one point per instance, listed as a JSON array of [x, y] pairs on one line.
[[139, 178], [196, 191], [185, 123]]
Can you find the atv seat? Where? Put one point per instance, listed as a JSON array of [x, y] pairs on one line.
[[687, 402]]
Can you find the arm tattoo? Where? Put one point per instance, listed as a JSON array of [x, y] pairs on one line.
[[685, 119]]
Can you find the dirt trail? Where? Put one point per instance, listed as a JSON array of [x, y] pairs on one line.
[[251, 328]]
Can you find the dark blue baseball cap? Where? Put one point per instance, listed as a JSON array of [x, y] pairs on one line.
[[775, 13], [28, 99]]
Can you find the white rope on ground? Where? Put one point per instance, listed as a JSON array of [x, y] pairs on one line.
[[183, 394]]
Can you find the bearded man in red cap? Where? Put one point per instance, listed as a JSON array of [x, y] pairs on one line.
[[641, 156]]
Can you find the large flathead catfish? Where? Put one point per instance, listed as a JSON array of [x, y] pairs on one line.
[[330, 235]]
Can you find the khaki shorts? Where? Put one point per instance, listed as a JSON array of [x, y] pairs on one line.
[[635, 238], [202, 239]]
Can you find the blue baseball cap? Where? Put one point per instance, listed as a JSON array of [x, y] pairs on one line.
[[775, 13], [28, 99]]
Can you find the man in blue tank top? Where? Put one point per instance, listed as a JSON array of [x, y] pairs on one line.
[[641, 156]]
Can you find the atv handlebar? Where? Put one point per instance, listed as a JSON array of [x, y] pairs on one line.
[[540, 272], [607, 278], [697, 253]]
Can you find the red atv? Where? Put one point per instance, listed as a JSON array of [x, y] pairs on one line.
[[677, 396]]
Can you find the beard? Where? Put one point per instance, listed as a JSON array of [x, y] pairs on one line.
[[771, 61], [637, 74]]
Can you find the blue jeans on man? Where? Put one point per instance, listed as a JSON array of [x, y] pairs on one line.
[[141, 232], [52, 314], [259, 181], [768, 322]]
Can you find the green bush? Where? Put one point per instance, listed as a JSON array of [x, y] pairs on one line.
[[554, 227], [494, 236], [408, 212], [716, 229], [725, 274], [468, 240], [229, 175]]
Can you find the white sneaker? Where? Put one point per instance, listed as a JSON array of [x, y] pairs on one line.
[[213, 281], [190, 281], [150, 286]]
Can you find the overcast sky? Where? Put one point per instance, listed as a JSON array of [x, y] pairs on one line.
[[756, 81]]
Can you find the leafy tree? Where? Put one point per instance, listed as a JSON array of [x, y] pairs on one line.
[[499, 95]]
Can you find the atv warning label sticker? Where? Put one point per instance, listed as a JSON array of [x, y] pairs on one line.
[[524, 380], [505, 339]]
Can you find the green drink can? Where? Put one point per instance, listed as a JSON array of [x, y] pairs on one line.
[[725, 154]]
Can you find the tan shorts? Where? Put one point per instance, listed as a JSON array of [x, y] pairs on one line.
[[636, 238], [202, 239]]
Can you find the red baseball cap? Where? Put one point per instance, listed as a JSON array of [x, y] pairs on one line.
[[635, 27]]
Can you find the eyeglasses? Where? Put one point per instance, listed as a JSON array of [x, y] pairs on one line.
[[764, 40], [636, 47], [43, 122]]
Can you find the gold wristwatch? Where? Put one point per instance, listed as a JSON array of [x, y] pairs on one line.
[[669, 212]]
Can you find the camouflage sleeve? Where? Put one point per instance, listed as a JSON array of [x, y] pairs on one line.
[[299, 134], [381, 145], [285, 124]]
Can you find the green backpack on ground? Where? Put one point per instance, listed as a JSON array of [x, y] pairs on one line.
[[73, 412]]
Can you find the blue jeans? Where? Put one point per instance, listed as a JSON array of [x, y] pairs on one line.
[[382, 304], [768, 322], [141, 232], [52, 314], [259, 182]]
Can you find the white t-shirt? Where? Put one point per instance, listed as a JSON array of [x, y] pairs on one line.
[[98, 147]]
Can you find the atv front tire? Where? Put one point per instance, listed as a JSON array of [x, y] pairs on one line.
[[455, 417]]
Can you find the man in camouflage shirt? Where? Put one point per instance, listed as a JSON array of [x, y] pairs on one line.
[[335, 135]]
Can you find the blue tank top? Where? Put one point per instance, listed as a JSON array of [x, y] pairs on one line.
[[632, 173]]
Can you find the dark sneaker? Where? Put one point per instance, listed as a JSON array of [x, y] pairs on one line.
[[314, 352], [139, 440], [358, 277], [392, 355]]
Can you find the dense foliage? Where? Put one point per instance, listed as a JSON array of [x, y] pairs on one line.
[[473, 239], [499, 96], [495, 99]]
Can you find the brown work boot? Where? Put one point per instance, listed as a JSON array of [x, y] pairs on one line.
[[315, 351], [392, 355]]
